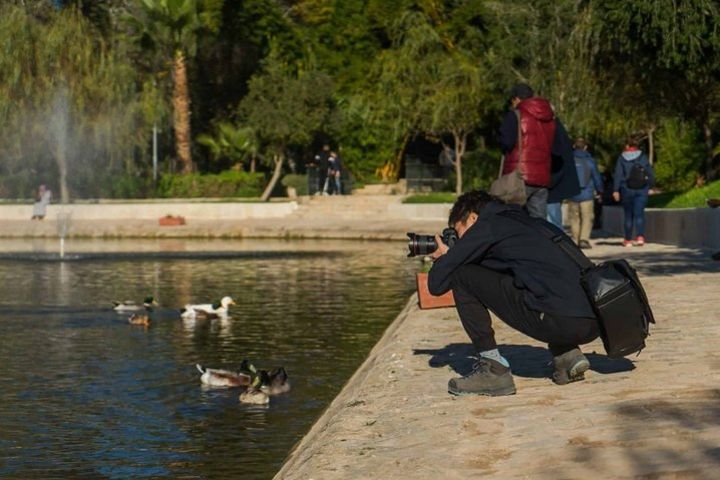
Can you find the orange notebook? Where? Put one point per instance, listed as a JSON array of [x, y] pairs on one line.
[[428, 300]]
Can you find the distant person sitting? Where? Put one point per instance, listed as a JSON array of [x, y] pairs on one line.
[[581, 207], [632, 181], [40, 206]]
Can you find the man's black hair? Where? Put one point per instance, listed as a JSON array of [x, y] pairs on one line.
[[522, 91], [470, 202]]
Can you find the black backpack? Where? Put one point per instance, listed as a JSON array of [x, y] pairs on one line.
[[638, 177], [614, 291]]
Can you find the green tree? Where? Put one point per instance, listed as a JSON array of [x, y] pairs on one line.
[[285, 108], [71, 102], [233, 142], [173, 26]]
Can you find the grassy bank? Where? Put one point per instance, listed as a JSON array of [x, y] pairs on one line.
[[693, 198], [434, 197]]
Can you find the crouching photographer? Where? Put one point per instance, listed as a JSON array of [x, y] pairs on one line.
[[501, 262]]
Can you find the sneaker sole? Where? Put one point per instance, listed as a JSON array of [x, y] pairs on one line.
[[495, 393], [576, 373]]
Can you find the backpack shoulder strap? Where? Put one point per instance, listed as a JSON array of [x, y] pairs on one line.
[[560, 239]]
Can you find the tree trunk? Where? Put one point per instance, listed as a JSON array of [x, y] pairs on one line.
[[181, 112], [252, 164], [61, 159], [278, 159], [460, 142], [651, 145]]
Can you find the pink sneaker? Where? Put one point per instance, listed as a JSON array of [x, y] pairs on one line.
[[639, 241], [627, 243]]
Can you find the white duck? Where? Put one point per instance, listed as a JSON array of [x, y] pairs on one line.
[[223, 378], [131, 306], [220, 307]]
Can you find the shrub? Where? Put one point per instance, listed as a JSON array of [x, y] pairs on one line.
[[228, 183], [679, 156], [298, 182]]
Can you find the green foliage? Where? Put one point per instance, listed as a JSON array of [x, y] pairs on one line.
[[284, 108], [692, 198], [66, 94], [229, 183], [172, 25], [298, 182], [233, 142], [679, 155], [434, 197]]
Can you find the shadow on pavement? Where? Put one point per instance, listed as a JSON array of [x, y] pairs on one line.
[[525, 360]]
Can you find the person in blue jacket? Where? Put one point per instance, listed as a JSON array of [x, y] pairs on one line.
[[581, 207], [633, 178]]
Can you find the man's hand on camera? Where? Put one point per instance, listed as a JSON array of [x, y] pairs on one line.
[[441, 250]]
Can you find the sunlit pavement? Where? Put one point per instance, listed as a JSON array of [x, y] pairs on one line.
[[656, 415]]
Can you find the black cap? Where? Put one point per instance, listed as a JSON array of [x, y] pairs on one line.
[[522, 91]]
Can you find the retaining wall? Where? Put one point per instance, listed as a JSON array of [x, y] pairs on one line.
[[155, 210], [686, 227]]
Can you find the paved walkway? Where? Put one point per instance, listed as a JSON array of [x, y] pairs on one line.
[[654, 416]]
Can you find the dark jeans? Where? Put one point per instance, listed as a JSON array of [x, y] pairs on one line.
[[536, 205], [633, 202], [478, 289]]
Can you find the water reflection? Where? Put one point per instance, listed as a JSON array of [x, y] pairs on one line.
[[84, 394]]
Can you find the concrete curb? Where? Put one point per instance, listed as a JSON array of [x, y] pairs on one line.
[[298, 455]]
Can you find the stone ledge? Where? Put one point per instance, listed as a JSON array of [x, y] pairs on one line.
[[686, 227]]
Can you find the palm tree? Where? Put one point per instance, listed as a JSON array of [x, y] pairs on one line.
[[173, 26]]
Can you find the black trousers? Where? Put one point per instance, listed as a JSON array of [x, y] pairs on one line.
[[478, 289]]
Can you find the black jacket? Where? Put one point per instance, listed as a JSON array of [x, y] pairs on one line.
[[548, 277], [564, 182]]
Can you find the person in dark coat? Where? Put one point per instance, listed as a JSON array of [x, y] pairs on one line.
[[545, 157], [502, 265], [634, 176]]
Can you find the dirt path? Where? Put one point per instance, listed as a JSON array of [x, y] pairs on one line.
[[654, 416]]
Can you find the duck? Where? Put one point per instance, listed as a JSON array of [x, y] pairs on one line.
[[223, 378], [139, 319], [220, 307], [275, 382], [254, 394], [197, 314], [132, 306]]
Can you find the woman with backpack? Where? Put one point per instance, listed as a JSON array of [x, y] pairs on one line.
[[633, 178]]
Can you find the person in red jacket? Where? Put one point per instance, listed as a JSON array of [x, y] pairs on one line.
[[544, 154]]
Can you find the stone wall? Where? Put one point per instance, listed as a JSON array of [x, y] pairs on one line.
[[154, 210], [687, 227]]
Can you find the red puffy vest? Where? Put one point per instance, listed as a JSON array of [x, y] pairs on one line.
[[537, 126]]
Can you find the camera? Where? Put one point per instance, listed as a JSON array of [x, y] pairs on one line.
[[425, 244]]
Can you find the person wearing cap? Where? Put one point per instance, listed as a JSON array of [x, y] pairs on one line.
[[544, 154]]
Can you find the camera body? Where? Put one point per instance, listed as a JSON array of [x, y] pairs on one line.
[[425, 244]]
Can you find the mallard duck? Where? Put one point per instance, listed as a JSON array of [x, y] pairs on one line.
[[131, 306], [220, 307], [223, 378], [139, 319], [275, 382], [254, 395]]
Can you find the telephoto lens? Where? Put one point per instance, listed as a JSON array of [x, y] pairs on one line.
[[425, 244], [421, 244]]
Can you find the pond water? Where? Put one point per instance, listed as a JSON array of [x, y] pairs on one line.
[[83, 394]]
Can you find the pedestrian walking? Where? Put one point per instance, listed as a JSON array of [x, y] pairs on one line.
[[632, 181], [581, 207]]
